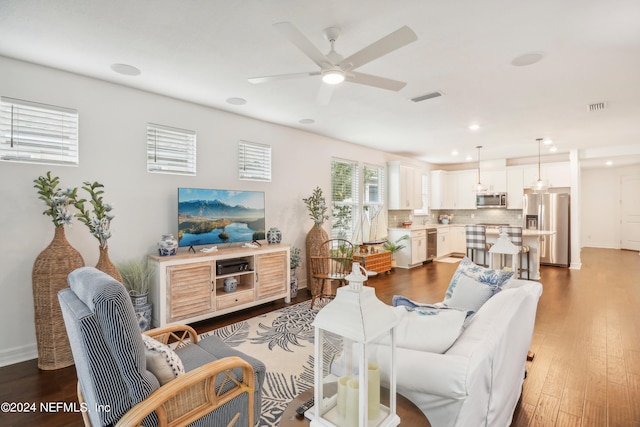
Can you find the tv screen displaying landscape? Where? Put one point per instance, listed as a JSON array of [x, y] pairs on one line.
[[207, 217]]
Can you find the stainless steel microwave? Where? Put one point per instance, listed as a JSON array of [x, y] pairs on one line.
[[491, 200]]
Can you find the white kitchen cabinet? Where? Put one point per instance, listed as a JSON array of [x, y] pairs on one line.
[[555, 174], [494, 180], [414, 252], [515, 187], [405, 186], [458, 239], [444, 247], [453, 190]]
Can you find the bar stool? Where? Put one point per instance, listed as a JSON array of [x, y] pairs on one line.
[[515, 235], [476, 236]]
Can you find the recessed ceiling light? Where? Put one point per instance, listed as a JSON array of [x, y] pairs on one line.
[[469, 158], [125, 69], [306, 121], [553, 148], [547, 141], [236, 101], [454, 153], [609, 163], [474, 126], [527, 59]]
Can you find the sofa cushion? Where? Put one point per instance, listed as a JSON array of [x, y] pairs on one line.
[[472, 285], [432, 329], [162, 361]]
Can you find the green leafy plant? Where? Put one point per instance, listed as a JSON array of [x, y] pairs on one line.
[[295, 259], [136, 275], [56, 199], [396, 246], [98, 220], [317, 206]]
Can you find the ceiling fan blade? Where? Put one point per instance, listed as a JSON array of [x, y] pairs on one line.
[[324, 94], [302, 42], [375, 81], [265, 79], [385, 45]]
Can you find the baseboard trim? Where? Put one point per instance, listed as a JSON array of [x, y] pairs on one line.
[[18, 354]]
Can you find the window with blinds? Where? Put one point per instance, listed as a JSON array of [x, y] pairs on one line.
[[254, 161], [373, 223], [171, 150], [31, 132], [344, 199]]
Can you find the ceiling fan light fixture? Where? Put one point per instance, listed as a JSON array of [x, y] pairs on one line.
[[333, 76]]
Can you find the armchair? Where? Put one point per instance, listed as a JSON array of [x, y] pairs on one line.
[[220, 387]]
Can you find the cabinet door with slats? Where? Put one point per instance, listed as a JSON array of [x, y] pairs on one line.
[[271, 273], [189, 290]]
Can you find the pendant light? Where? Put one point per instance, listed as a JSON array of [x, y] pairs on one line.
[[479, 187], [540, 186]]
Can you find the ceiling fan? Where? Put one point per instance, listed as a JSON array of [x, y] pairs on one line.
[[334, 68]]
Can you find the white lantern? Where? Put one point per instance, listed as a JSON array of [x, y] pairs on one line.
[[503, 246], [349, 389]]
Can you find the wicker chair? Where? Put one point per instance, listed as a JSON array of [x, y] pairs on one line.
[[220, 387], [331, 263]]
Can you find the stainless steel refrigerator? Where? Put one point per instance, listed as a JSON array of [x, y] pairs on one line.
[[549, 212]]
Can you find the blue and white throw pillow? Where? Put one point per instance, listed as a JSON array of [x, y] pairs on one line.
[[472, 285], [162, 361]]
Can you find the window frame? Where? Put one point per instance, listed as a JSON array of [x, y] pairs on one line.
[[33, 132], [254, 161], [174, 141]]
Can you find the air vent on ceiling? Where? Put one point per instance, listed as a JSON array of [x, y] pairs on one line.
[[598, 106], [427, 96]]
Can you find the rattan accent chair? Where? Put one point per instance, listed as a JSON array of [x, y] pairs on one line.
[[332, 263], [220, 387]]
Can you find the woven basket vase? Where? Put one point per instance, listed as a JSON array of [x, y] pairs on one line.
[[315, 237], [105, 265], [49, 275]]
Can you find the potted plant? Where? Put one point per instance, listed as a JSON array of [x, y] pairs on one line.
[[295, 260], [136, 276], [394, 247]]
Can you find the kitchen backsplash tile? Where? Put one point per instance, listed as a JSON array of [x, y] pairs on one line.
[[460, 216]]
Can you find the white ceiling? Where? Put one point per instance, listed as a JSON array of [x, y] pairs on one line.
[[204, 52]]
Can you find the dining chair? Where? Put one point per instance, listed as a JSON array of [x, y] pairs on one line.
[[515, 236]]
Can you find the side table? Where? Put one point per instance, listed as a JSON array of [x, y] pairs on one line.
[[410, 414]]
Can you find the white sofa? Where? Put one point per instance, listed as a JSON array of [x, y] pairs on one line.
[[478, 380]]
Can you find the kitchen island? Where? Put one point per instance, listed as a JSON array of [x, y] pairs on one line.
[[530, 238]]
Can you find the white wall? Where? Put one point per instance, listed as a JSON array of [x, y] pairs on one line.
[[601, 205], [112, 151]]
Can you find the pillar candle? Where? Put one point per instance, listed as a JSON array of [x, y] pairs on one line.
[[352, 403], [374, 391], [342, 395]]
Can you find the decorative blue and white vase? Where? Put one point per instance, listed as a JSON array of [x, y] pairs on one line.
[[274, 236], [293, 284], [142, 309], [230, 284], [168, 245]]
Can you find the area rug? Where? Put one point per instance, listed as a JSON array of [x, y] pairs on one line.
[[283, 340], [450, 260]]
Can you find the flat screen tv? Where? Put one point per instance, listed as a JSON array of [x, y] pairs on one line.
[[208, 217]]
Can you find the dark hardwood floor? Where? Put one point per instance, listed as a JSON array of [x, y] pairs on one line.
[[586, 370]]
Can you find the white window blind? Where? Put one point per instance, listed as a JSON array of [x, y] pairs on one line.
[[344, 198], [31, 132], [254, 161], [373, 222], [171, 150]]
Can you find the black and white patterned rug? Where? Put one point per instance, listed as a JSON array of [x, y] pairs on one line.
[[283, 340]]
